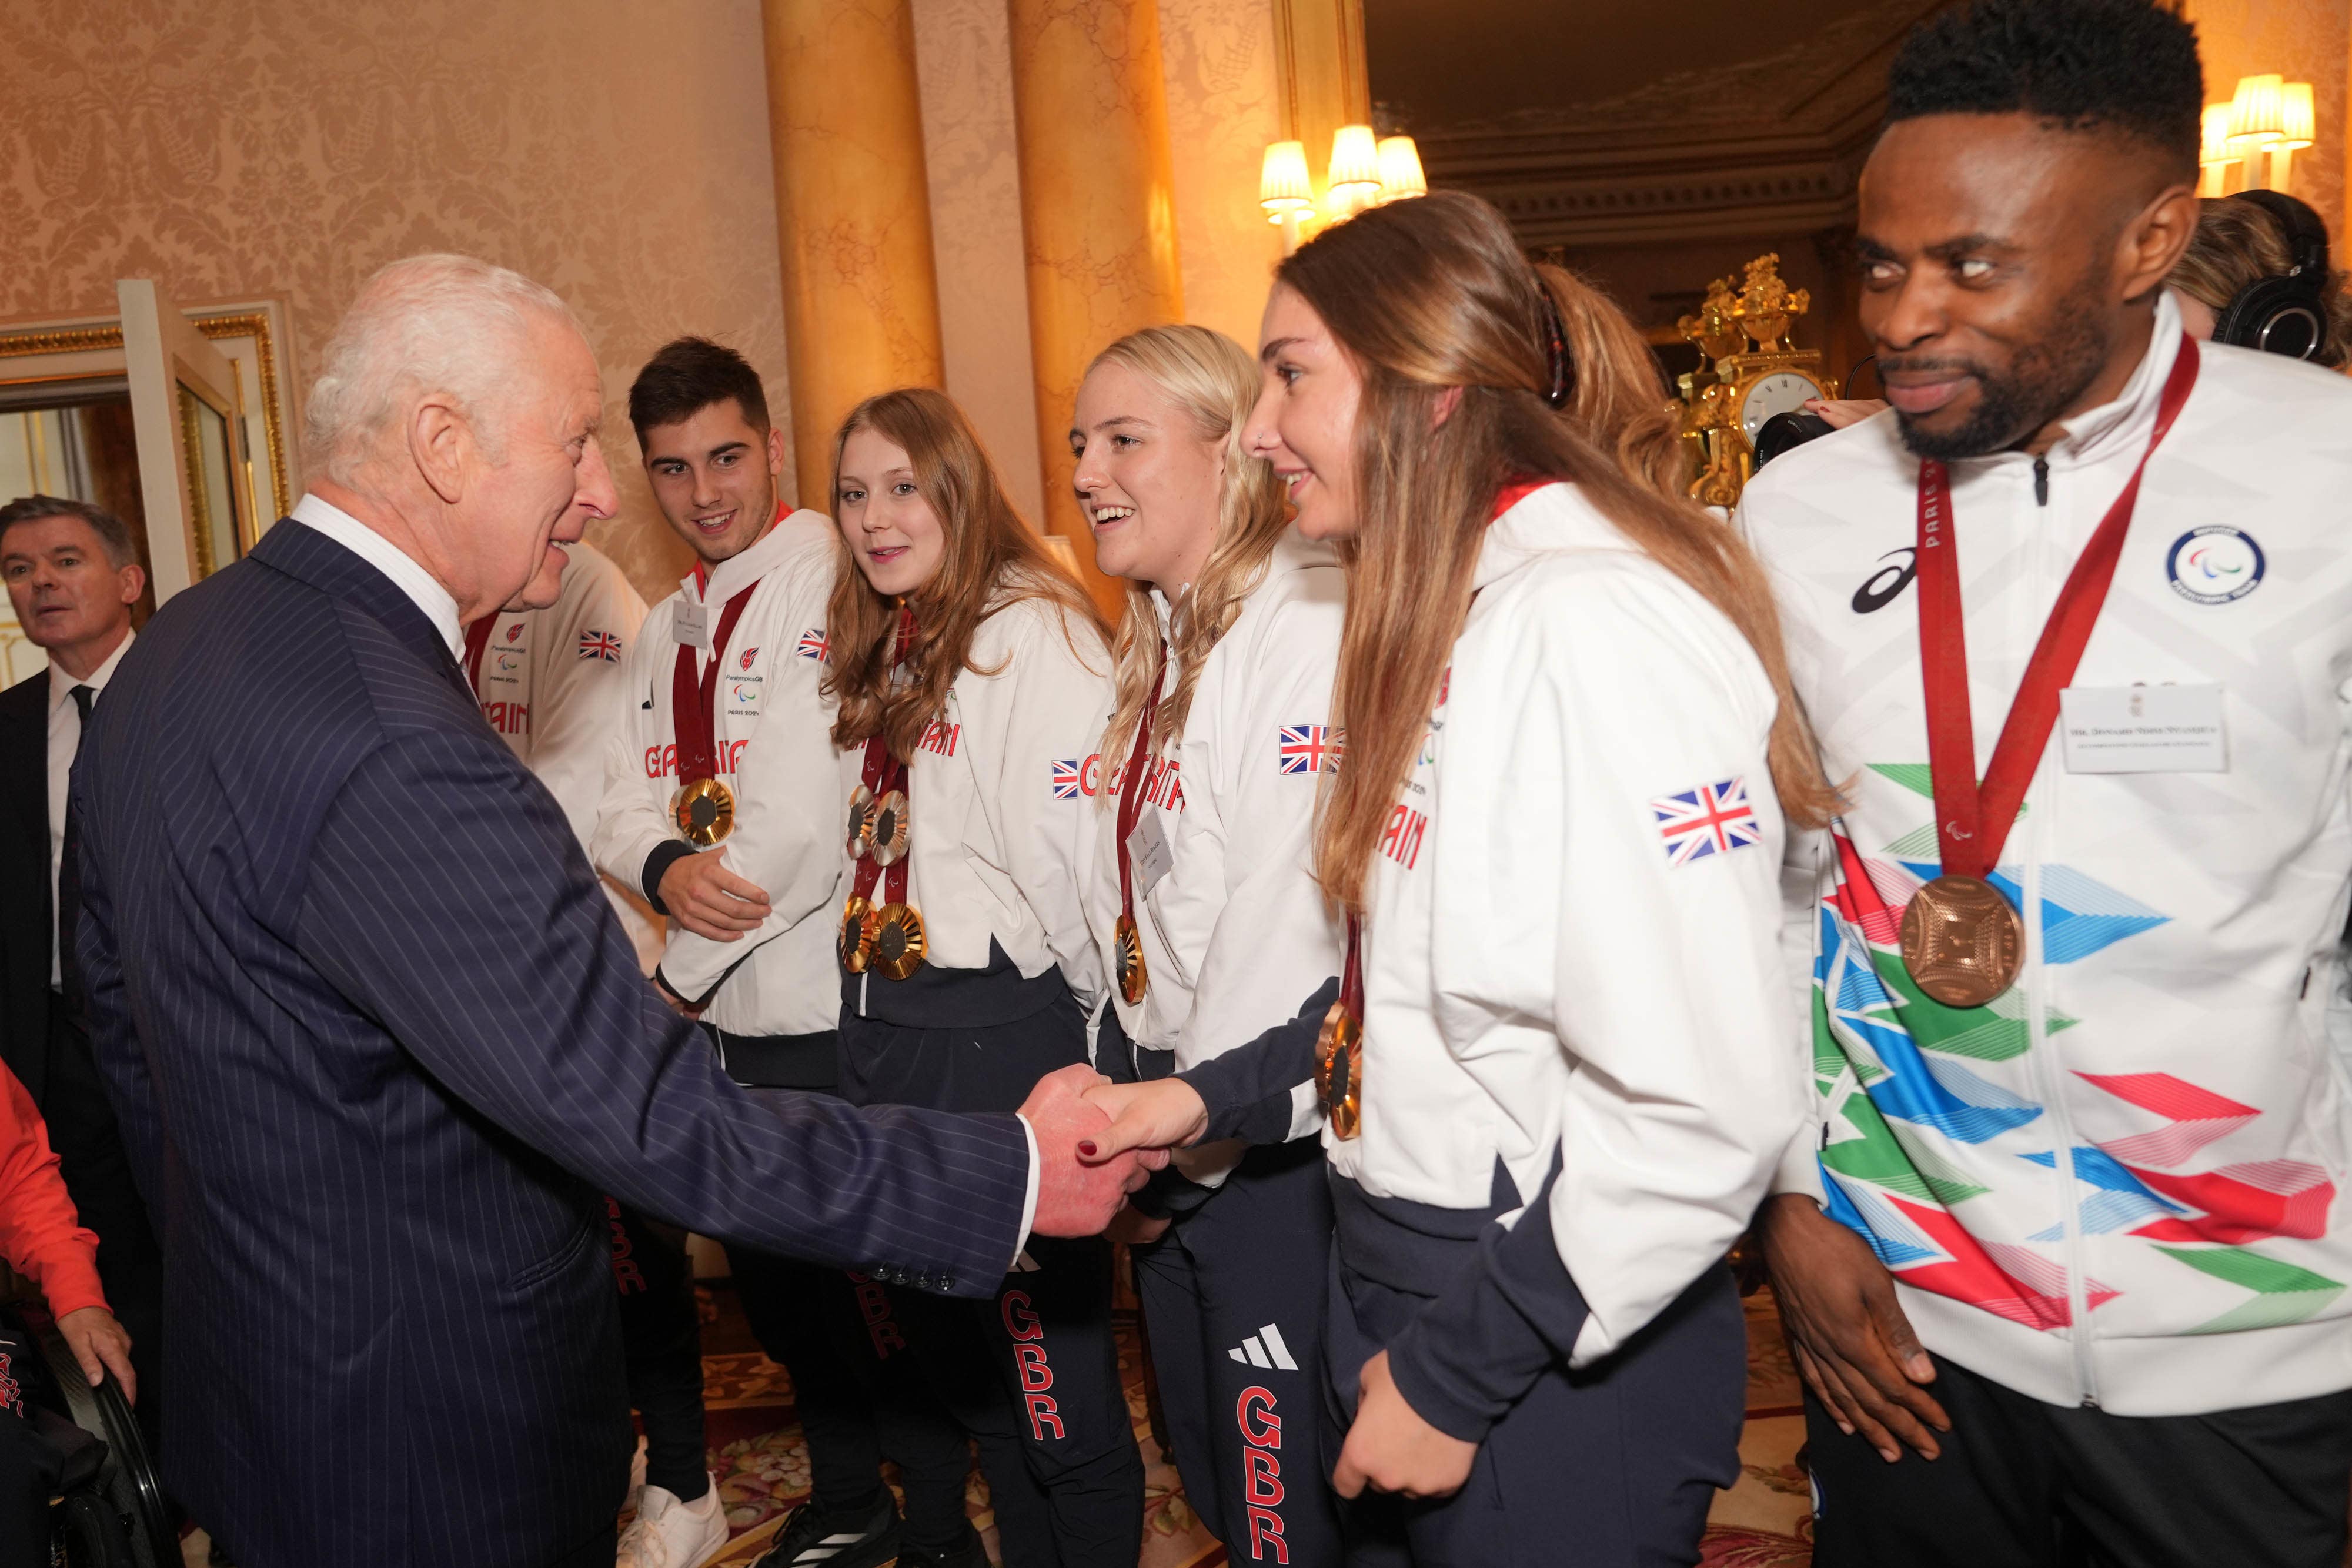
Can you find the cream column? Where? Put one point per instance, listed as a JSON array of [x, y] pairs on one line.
[[1097, 212], [853, 215]]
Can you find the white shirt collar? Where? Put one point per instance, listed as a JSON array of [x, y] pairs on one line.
[[61, 685], [422, 588]]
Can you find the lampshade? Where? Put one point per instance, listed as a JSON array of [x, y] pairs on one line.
[[1355, 160], [2297, 124], [2215, 147], [2255, 112], [1401, 173], [1282, 183]]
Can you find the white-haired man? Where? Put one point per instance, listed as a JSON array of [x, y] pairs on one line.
[[378, 1043]]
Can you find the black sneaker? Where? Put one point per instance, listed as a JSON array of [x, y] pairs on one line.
[[968, 1552], [812, 1537]]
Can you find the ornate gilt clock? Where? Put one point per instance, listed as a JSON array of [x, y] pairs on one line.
[[1749, 373]]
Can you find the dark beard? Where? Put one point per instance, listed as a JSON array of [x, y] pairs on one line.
[[2044, 380]]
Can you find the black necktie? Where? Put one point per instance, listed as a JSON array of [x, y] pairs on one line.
[[69, 881]]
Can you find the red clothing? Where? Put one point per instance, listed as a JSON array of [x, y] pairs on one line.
[[39, 1234]]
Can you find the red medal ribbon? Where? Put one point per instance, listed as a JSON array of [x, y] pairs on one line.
[[692, 700], [1351, 972], [1130, 800], [478, 637], [881, 773], [1973, 820]]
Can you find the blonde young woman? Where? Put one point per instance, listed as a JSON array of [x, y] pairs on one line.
[[1206, 908], [1556, 1067], [973, 677]]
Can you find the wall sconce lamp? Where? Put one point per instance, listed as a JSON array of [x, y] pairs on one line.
[[1365, 170], [2268, 115]]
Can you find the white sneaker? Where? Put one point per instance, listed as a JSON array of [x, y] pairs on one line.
[[667, 1533], [636, 1478]]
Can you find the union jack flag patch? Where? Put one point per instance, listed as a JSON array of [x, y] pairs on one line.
[[812, 644], [1068, 778], [1712, 819], [1308, 747], [600, 645]]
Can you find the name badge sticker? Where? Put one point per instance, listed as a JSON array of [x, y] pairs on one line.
[[1148, 853], [2144, 730], [691, 625]]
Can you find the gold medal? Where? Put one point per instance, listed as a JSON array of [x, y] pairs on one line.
[[1340, 1069], [860, 830], [1129, 945], [704, 812], [1963, 943], [855, 943], [896, 946], [887, 827]]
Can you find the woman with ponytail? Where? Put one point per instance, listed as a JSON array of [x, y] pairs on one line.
[[1205, 903], [1554, 1066], [972, 679]]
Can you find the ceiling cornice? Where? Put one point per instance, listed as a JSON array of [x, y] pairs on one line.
[[1774, 141]]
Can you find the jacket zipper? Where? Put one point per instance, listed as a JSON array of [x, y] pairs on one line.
[[2046, 1073]]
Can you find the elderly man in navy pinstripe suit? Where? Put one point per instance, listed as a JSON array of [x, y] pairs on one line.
[[375, 1038]]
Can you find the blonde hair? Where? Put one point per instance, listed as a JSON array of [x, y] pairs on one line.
[[1214, 382], [993, 560], [2236, 244], [1432, 297]]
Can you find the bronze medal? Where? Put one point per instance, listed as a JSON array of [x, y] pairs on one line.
[[855, 943], [1963, 943], [896, 945], [1128, 943], [704, 812], [1339, 1069], [859, 830], [889, 824]]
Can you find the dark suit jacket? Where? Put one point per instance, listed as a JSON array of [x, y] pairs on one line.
[[24, 914], [378, 1043]]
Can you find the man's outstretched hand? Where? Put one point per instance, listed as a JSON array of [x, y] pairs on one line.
[[1074, 1198]]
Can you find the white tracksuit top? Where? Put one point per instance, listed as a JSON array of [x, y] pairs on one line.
[[1572, 939], [772, 728], [1002, 837], [2120, 1182], [1237, 934], [551, 683]]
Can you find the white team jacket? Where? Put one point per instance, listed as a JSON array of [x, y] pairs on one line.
[[1002, 831], [1236, 933], [550, 681], [771, 723], [1573, 945], [2150, 1133]]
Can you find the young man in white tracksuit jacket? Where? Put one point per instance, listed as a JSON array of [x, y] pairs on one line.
[[763, 982], [2107, 1197]]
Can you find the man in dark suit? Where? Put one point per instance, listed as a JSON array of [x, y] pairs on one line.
[[73, 575], [378, 1041]]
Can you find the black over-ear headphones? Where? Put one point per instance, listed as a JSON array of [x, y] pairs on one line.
[[2287, 314]]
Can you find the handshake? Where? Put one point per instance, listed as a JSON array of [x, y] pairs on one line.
[[1099, 1141]]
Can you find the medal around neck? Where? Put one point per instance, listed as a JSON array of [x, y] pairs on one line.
[[1128, 943], [1339, 1069], [704, 812], [1963, 943], [895, 943]]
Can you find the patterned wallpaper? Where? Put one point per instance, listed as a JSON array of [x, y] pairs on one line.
[[2304, 40], [230, 147], [615, 150]]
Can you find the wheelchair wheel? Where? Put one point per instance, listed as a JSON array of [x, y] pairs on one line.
[[127, 1489], [92, 1535]]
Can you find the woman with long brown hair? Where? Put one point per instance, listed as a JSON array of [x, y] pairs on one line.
[[1556, 1066], [1207, 907], [972, 680]]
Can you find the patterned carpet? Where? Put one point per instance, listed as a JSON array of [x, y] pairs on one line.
[[1763, 1522]]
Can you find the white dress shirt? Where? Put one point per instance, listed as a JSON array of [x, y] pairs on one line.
[[389, 558], [65, 739]]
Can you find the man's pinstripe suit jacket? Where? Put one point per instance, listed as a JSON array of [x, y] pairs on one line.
[[379, 1045]]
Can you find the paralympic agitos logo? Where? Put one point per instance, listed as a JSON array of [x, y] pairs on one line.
[[1886, 584]]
